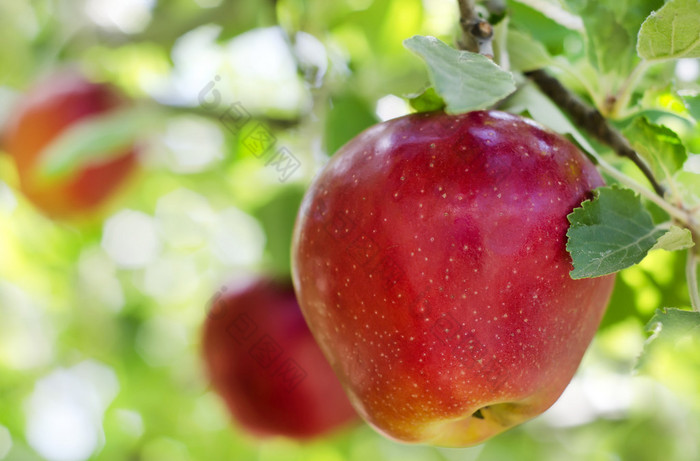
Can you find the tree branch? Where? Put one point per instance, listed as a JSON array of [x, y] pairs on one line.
[[278, 123], [476, 33], [592, 121]]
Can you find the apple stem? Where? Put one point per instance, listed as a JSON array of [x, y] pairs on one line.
[[477, 34], [691, 273], [592, 121]]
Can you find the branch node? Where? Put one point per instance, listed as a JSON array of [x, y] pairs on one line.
[[476, 32], [482, 29]]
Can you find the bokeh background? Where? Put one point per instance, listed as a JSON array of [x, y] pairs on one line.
[[100, 319]]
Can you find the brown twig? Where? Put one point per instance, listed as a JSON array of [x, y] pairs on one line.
[[476, 32], [592, 121]]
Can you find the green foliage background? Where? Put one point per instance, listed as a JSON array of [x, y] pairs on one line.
[[72, 312]]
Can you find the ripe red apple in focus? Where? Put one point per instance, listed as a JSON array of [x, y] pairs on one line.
[[43, 113], [266, 365], [429, 261]]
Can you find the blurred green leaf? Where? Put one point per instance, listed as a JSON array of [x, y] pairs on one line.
[[348, 116], [17, 59], [621, 305], [277, 218], [659, 116], [630, 14], [672, 32], [611, 45], [658, 145], [97, 139], [609, 233], [692, 103], [549, 24], [677, 238], [688, 186], [525, 52], [427, 101], [669, 327], [467, 81], [611, 28]]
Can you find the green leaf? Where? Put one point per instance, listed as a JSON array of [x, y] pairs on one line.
[[610, 44], [692, 103], [553, 11], [427, 101], [467, 81], [677, 238], [547, 22], [97, 139], [664, 116], [688, 186], [672, 32], [611, 28], [673, 324], [658, 145], [609, 233], [628, 13], [525, 52], [669, 328]]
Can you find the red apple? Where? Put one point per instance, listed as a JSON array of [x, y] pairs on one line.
[[429, 261], [264, 362], [44, 112]]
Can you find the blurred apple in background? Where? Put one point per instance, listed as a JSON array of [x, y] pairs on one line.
[[263, 361], [429, 259], [45, 112]]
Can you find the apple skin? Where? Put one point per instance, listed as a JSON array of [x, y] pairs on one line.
[[429, 261], [264, 362], [43, 113]]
